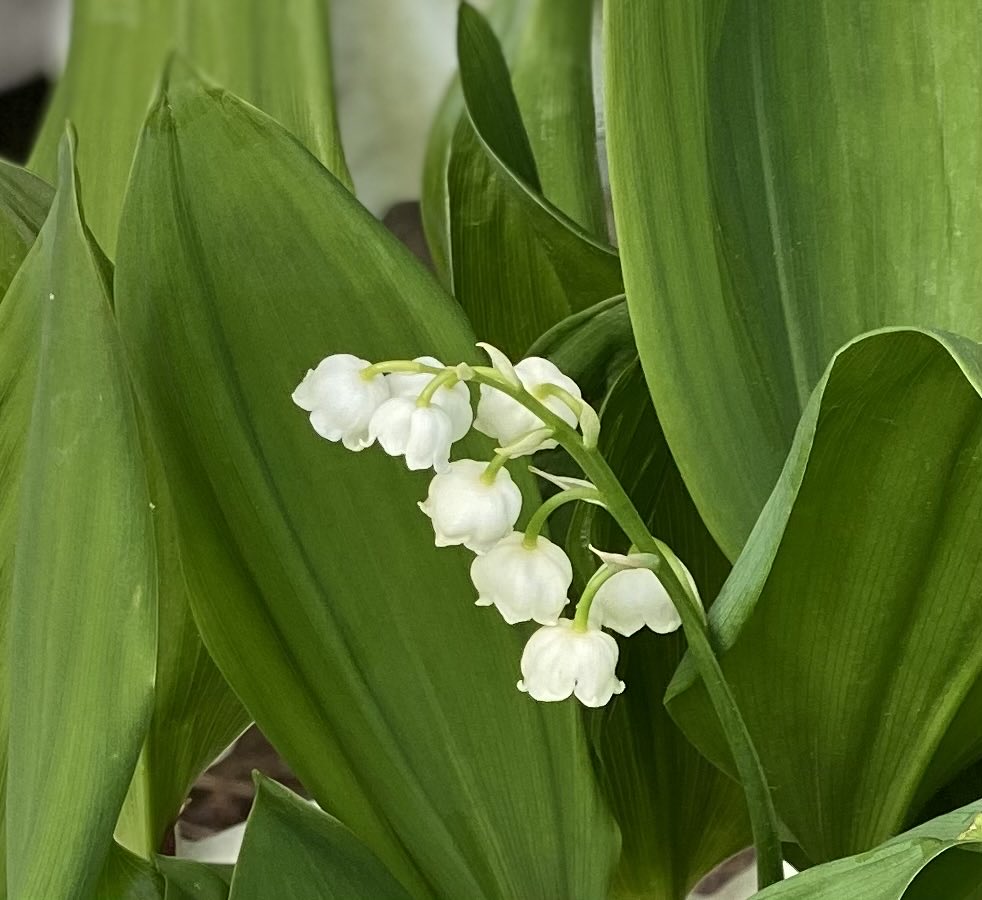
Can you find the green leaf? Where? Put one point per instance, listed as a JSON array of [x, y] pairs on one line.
[[83, 599], [847, 625], [126, 876], [195, 713], [314, 579], [275, 55], [190, 880], [767, 213], [553, 79], [939, 850], [295, 852], [519, 265], [679, 815], [24, 203]]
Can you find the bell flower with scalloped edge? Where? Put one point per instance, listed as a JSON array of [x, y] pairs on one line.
[[468, 507], [506, 420], [422, 434], [631, 599], [454, 400], [524, 582], [341, 400], [559, 661]]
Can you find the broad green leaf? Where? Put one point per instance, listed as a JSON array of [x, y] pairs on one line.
[[553, 78], [519, 265], [190, 880], [313, 577], [83, 600], [679, 815], [944, 852], [195, 714], [295, 852], [767, 212], [275, 55], [848, 626], [24, 203], [126, 876]]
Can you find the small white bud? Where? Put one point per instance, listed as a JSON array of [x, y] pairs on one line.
[[559, 661], [506, 420], [467, 509], [523, 582], [340, 400], [631, 599], [423, 434], [455, 401]]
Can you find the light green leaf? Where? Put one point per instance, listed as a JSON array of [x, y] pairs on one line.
[[848, 626], [767, 212], [24, 203], [190, 880], [195, 713], [679, 815], [553, 78], [83, 600], [314, 579], [275, 55], [938, 850], [295, 852]]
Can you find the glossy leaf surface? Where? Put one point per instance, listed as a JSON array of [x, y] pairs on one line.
[[362, 664]]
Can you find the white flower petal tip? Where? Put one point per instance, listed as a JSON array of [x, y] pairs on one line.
[[508, 421], [630, 600], [627, 561], [524, 583], [340, 400], [500, 363], [466, 509], [422, 434], [564, 482], [559, 661]]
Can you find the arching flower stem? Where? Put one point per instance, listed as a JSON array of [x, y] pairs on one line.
[[538, 520], [582, 616], [763, 818]]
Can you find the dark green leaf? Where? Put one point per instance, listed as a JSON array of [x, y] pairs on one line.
[[314, 580], [945, 851], [847, 627], [292, 851], [190, 880], [126, 876], [24, 203]]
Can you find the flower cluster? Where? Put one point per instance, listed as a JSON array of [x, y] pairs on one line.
[[417, 409]]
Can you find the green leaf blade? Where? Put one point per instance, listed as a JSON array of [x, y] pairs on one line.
[[83, 629], [295, 852], [846, 625], [376, 645]]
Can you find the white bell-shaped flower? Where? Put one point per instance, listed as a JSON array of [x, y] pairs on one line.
[[467, 508], [506, 420], [523, 582], [455, 401], [560, 660], [631, 599], [423, 434], [341, 400]]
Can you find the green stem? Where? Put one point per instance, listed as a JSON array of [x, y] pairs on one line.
[[447, 378], [582, 617], [538, 520], [491, 472], [408, 366], [763, 818]]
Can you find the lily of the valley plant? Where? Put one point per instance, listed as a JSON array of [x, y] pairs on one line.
[[637, 526]]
